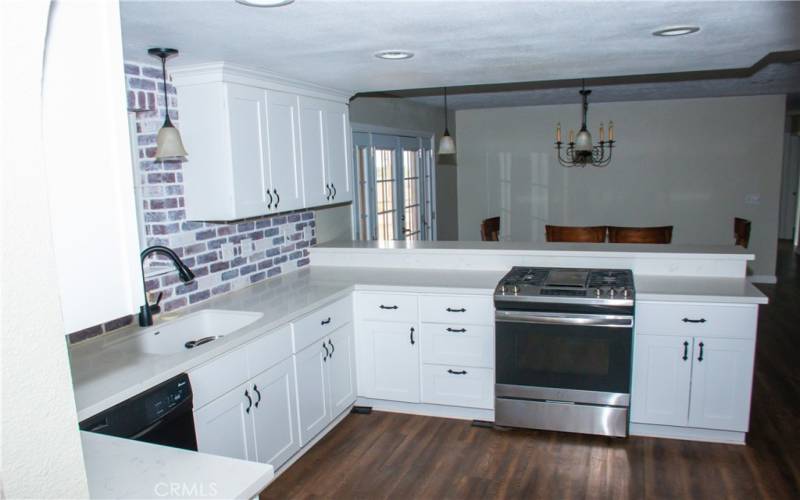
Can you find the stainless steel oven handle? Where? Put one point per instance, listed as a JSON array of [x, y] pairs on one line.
[[539, 318]]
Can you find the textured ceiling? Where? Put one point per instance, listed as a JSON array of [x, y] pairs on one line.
[[463, 42]]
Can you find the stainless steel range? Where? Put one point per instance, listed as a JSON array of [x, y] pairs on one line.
[[563, 341]]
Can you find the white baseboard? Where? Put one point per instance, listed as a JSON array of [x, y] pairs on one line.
[[768, 279], [687, 433]]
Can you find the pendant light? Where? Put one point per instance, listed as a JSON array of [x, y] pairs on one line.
[[447, 145], [168, 143]]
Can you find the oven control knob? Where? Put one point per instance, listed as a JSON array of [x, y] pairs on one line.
[[515, 289], [611, 293], [626, 293], [597, 292]]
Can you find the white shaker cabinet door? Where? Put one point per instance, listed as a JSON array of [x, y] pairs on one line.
[[277, 436], [312, 395], [337, 152], [722, 378], [341, 369], [247, 123], [283, 138], [224, 426], [316, 190], [662, 371], [391, 361]]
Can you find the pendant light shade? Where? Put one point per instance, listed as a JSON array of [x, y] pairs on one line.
[[169, 145], [447, 145]]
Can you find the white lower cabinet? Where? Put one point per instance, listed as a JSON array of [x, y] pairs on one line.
[[274, 414], [703, 381], [458, 386], [661, 379], [389, 362], [223, 427], [312, 400], [721, 383], [255, 421], [325, 381]]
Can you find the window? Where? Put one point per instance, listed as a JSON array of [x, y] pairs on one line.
[[396, 186]]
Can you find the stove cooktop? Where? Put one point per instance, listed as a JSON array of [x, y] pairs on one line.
[[538, 284]]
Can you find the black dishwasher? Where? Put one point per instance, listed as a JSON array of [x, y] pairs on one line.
[[160, 415]]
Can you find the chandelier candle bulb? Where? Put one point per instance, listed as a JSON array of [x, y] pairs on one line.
[[602, 136], [610, 131], [571, 136], [558, 132]]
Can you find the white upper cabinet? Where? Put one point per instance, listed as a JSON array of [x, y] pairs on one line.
[[312, 144], [247, 124], [260, 144], [337, 152], [283, 132]]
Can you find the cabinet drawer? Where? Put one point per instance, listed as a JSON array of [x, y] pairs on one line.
[[321, 322], [685, 318], [269, 350], [386, 307], [458, 386], [467, 345], [458, 309], [213, 379]]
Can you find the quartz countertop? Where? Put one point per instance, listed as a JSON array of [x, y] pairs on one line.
[[107, 370], [528, 248], [123, 468]]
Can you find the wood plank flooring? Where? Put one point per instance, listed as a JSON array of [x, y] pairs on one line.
[[389, 455]]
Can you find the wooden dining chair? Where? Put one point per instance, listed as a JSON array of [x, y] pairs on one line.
[[741, 231], [658, 234], [490, 229], [577, 234]]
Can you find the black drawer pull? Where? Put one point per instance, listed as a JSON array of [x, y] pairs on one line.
[[332, 348], [249, 401], [453, 372], [457, 330], [412, 336], [327, 354], [685, 350], [325, 321], [687, 320], [258, 393], [700, 358], [387, 307], [451, 310]]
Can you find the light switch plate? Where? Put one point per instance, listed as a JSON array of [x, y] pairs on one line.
[[307, 233], [752, 199]]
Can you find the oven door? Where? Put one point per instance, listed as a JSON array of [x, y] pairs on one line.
[[550, 356]]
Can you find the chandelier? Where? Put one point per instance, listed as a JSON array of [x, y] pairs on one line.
[[580, 151]]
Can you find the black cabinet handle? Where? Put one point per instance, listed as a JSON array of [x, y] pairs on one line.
[[457, 330], [327, 354], [333, 349], [687, 320], [453, 372], [269, 205], [412, 336], [278, 197], [451, 310], [249, 401], [325, 321], [334, 191], [387, 307], [328, 189], [685, 350], [258, 393], [700, 357]]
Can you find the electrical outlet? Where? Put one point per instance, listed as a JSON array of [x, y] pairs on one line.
[[752, 199], [247, 247], [259, 245], [307, 233], [227, 251]]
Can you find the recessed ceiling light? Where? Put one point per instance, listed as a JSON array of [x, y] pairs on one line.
[[264, 3], [394, 55], [677, 31]]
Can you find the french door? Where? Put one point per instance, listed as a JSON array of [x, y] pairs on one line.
[[396, 186]]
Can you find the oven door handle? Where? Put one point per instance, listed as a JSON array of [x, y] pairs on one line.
[[601, 320]]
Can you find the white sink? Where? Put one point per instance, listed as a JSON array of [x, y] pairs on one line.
[[171, 337]]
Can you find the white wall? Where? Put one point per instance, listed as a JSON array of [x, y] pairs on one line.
[[41, 448], [335, 223], [688, 163]]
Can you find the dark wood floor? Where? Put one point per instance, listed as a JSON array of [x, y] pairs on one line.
[[404, 456]]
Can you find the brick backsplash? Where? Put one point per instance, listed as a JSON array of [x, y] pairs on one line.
[[278, 243]]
